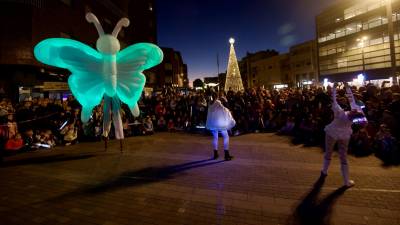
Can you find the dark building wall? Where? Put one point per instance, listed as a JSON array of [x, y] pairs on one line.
[[172, 72], [25, 23], [303, 63], [246, 71], [143, 21]]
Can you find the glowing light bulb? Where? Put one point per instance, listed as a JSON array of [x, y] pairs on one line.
[[231, 40]]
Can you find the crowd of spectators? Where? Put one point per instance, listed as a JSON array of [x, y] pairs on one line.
[[299, 112]]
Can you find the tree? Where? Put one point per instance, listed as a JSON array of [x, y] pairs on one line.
[[233, 79], [198, 83]]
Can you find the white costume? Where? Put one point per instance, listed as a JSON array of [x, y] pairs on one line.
[[339, 131], [219, 119]]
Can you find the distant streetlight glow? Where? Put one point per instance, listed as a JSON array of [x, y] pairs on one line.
[[361, 41], [326, 82], [360, 78]]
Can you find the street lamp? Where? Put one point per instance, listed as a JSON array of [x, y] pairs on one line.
[[361, 43]]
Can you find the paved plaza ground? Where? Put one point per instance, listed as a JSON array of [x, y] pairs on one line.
[[169, 179]]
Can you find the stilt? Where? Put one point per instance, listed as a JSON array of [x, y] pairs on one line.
[[105, 143], [120, 145]]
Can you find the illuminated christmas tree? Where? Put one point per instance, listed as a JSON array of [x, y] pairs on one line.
[[233, 79]]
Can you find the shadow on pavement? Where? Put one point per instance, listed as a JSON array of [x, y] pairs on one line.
[[45, 159], [130, 179], [147, 175], [312, 212]]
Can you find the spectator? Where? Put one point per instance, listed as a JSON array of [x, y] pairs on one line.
[[148, 125], [291, 111], [385, 145], [161, 124], [171, 125], [30, 141], [70, 133], [12, 126], [14, 144]]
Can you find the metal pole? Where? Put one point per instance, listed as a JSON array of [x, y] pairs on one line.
[[391, 41]]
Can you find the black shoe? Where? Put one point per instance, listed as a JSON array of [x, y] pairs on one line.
[[227, 155], [215, 154]]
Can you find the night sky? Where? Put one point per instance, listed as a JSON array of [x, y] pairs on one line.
[[200, 29]]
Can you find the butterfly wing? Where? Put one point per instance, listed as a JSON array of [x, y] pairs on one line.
[[130, 65], [86, 81]]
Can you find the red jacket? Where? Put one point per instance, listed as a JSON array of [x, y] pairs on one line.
[[14, 145]]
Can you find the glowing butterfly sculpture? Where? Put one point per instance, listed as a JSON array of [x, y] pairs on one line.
[[108, 72]]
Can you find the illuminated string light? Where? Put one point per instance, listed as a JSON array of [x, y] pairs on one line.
[[233, 79]]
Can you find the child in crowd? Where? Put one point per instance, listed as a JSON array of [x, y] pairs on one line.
[[161, 124], [14, 144], [148, 125], [385, 145], [171, 125], [31, 143], [289, 126], [70, 134], [47, 139]]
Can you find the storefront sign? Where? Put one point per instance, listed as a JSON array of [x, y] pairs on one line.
[[55, 86]]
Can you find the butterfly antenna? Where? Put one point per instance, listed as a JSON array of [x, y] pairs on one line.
[[124, 22], [91, 18]]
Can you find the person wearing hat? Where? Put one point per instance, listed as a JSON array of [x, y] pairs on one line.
[[219, 120], [339, 132]]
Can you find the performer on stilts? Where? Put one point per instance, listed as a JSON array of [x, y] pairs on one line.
[[339, 131], [105, 73], [219, 120], [112, 113]]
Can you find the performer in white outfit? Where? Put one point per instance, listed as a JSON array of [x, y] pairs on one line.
[[339, 131], [219, 120]]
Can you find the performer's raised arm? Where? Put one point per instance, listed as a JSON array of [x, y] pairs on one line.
[[351, 99], [337, 109]]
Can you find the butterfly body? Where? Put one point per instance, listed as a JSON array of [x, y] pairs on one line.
[[110, 74]]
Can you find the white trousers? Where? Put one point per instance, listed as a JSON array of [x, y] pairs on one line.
[[342, 146], [224, 135]]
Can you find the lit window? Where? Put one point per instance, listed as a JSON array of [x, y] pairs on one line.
[[342, 62]]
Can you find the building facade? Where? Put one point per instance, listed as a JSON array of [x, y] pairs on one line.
[[28, 22], [270, 71], [247, 71], [303, 64], [172, 72], [358, 37]]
